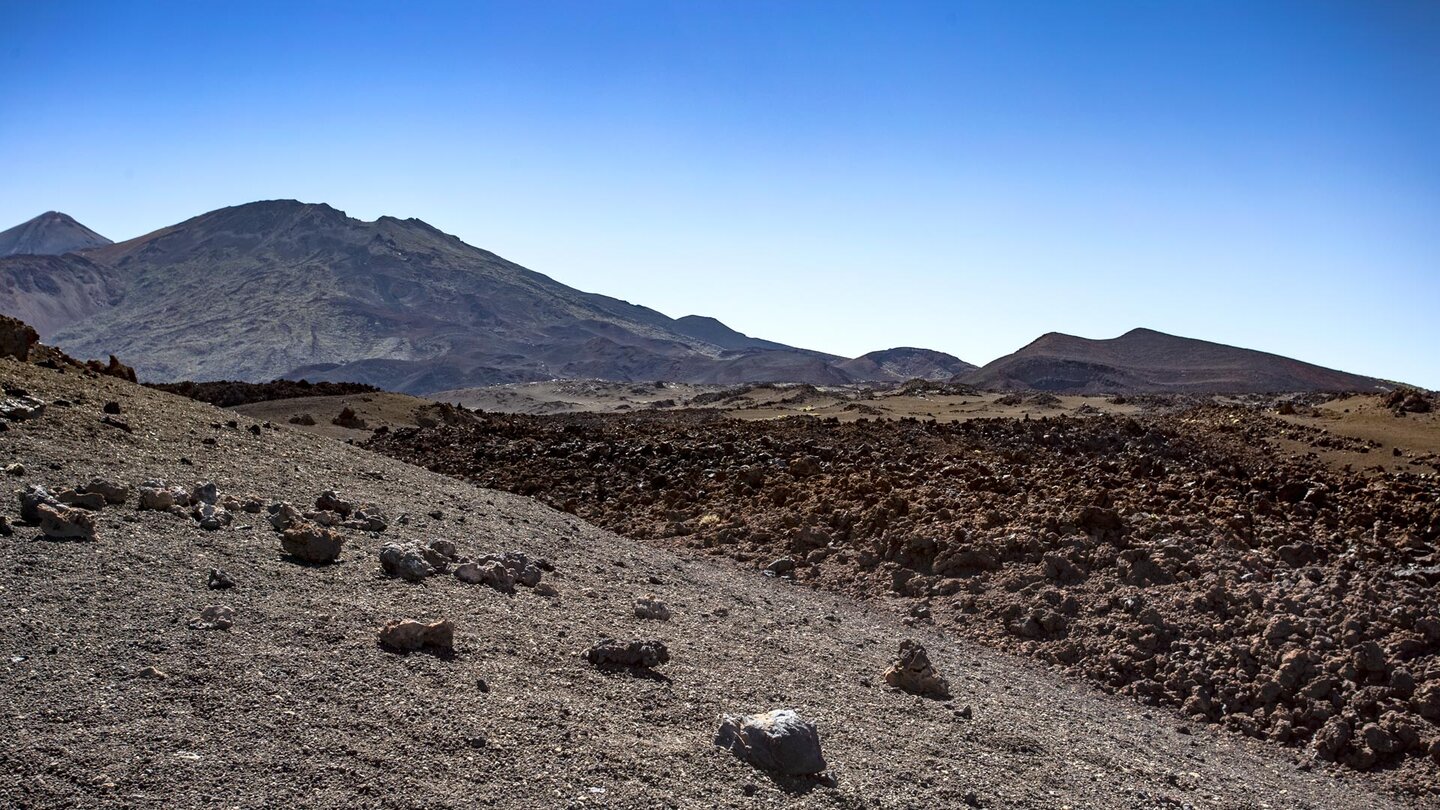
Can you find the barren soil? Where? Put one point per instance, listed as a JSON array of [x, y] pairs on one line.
[[296, 704]]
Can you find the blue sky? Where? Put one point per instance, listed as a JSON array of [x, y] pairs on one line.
[[841, 176]]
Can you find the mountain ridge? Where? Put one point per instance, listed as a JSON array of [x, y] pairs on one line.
[[283, 288], [1145, 360]]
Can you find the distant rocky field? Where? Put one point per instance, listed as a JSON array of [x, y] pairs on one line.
[[1216, 559]]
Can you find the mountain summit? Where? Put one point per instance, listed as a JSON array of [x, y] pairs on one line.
[[50, 234], [1144, 360], [285, 288]]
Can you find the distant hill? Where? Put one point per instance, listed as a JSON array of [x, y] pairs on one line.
[[289, 289], [907, 363], [50, 234], [1143, 360]]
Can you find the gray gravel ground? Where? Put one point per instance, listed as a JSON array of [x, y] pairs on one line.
[[296, 704]]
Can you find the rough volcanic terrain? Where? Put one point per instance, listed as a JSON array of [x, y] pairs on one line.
[[1202, 559], [162, 645], [229, 393]]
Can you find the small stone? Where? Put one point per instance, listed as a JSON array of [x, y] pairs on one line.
[[546, 589], [65, 523], [312, 543], [111, 407], [779, 741], [16, 469], [92, 501], [347, 418], [650, 607], [153, 673], [912, 672], [114, 493], [219, 580], [205, 492], [211, 517], [31, 498], [215, 617], [21, 408], [331, 502], [116, 422], [642, 653], [408, 634], [160, 497], [405, 560], [284, 516], [489, 573], [782, 566]]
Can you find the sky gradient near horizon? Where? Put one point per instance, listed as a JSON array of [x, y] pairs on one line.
[[961, 176]]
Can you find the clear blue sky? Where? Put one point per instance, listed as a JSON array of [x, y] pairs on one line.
[[841, 176]]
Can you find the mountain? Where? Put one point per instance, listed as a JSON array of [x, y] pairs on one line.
[[907, 363], [1143, 360], [52, 292], [290, 289], [50, 234]]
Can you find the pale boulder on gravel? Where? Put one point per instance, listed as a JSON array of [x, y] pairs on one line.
[[779, 741]]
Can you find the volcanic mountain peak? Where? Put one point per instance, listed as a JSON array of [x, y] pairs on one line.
[[1146, 360], [282, 288], [50, 234], [908, 363]]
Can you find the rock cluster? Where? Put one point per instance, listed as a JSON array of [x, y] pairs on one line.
[[503, 571], [67, 514]]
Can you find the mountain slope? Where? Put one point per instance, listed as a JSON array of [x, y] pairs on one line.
[[1143, 360], [52, 292], [283, 288], [50, 234]]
